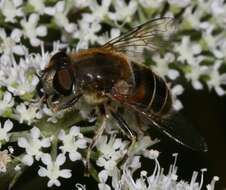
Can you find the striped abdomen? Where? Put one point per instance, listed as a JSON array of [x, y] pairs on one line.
[[150, 93]]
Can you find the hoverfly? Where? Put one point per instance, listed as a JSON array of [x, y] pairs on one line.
[[110, 74]]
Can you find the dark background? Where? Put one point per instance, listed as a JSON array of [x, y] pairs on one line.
[[207, 112]]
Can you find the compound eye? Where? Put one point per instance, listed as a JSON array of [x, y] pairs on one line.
[[63, 82]]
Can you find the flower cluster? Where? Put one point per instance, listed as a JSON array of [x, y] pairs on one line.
[[32, 31]]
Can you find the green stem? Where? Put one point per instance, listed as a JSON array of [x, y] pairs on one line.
[[16, 177], [54, 148]]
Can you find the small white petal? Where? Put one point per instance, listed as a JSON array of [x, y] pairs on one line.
[[41, 31], [70, 28], [7, 97], [46, 159], [35, 133], [33, 18], [60, 6], [81, 143], [42, 172], [8, 125], [61, 135], [19, 50], [49, 11], [57, 183], [173, 74], [219, 91], [65, 173], [177, 105], [177, 90], [60, 159], [53, 182], [16, 35], [75, 156], [35, 42], [75, 131], [197, 85], [103, 176], [28, 160], [22, 142], [46, 142], [115, 32]]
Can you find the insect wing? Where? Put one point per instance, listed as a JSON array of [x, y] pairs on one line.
[[177, 128], [153, 35], [180, 130]]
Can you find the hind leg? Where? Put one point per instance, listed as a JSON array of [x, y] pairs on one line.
[[125, 129], [96, 137]]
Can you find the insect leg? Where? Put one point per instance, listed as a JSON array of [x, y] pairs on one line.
[[139, 124], [125, 128], [97, 135]]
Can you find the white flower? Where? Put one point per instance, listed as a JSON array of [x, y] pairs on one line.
[[31, 29], [157, 180], [99, 12], [204, 6], [33, 144], [4, 130], [4, 159], [39, 6], [187, 50], [217, 45], [9, 44], [72, 141], [218, 7], [84, 36], [216, 79], [6, 102], [123, 12], [8, 70], [59, 13], [162, 66], [195, 71], [112, 150], [53, 171], [192, 18], [11, 9], [26, 113], [17, 77], [176, 91], [213, 42]]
